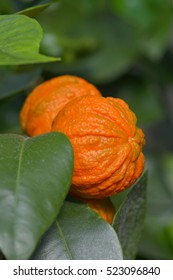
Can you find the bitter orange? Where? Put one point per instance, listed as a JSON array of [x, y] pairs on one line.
[[47, 99], [103, 207], [107, 145]]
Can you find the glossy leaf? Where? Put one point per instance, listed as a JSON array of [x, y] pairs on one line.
[[129, 221], [20, 40], [156, 238], [79, 233], [35, 176]]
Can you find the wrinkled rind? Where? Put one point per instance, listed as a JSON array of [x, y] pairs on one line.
[[107, 145], [47, 99]]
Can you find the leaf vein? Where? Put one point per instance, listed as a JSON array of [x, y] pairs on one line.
[[64, 241], [19, 166]]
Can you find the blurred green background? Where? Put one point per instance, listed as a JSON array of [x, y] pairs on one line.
[[126, 49]]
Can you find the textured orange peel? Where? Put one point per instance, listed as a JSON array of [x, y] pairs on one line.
[[48, 98], [106, 141], [107, 145]]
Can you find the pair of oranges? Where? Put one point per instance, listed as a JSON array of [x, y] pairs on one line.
[[107, 143]]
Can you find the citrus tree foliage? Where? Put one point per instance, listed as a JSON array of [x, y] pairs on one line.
[[124, 48]]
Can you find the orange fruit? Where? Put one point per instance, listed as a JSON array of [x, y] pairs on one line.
[[47, 99], [107, 145], [103, 207]]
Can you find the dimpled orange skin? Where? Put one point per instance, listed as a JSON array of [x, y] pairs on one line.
[[107, 145], [47, 99], [103, 207]]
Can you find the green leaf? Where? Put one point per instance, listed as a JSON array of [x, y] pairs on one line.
[[129, 221], [155, 242], [33, 11], [35, 175], [20, 40], [79, 233]]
